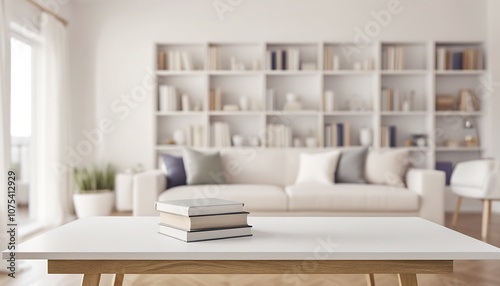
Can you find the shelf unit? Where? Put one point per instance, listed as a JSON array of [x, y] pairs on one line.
[[357, 76]]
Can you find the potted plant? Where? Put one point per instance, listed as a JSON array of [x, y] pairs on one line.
[[94, 196]]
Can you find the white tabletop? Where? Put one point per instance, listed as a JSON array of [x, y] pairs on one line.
[[274, 238]]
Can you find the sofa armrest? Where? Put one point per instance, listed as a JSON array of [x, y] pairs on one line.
[[429, 184], [147, 186]]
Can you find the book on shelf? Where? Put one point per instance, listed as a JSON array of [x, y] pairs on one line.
[[283, 59], [394, 100], [196, 136], [200, 222], [201, 235], [221, 136], [387, 99], [393, 58], [278, 136], [168, 98], [456, 59], [175, 60], [338, 135], [441, 58], [215, 99], [388, 136], [270, 100], [162, 60], [201, 206], [214, 62], [328, 59]]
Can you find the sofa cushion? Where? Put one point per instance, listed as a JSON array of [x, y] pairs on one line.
[[174, 170], [203, 167], [317, 167], [351, 197], [351, 167], [255, 197], [387, 167]]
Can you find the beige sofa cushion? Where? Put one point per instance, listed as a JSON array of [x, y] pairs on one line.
[[387, 167], [255, 197], [351, 197]]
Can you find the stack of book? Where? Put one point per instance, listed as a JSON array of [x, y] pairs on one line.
[[388, 136], [168, 99], [202, 219], [467, 59], [393, 58], [284, 59], [221, 136], [175, 60], [279, 136], [338, 135]]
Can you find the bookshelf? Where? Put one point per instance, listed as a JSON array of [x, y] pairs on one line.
[[303, 77]]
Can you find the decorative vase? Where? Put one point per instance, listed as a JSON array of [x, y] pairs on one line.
[[179, 137], [96, 203], [365, 136], [244, 103]]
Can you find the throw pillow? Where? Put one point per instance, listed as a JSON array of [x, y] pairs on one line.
[[351, 167], [387, 167], [317, 167], [174, 170], [203, 167]]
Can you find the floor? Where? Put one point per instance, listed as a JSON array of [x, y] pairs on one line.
[[477, 273]]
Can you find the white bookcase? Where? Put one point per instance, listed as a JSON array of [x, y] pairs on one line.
[[357, 76]]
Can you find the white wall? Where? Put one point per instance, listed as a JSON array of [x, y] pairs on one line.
[[112, 45]]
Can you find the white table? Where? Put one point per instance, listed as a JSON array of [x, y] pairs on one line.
[[287, 246]]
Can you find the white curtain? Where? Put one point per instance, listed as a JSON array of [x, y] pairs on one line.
[[52, 133], [4, 121]]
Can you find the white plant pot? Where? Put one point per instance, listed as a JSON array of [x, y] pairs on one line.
[[94, 204]]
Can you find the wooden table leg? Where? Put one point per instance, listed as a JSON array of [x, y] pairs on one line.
[[118, 279], [407, 279], [91, 279], [370, 279]]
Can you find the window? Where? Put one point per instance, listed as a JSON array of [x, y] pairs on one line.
[[22, 83]]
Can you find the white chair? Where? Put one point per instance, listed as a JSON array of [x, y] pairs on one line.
[[479, 179]]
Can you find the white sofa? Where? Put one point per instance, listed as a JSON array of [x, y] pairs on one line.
[[264, 180]]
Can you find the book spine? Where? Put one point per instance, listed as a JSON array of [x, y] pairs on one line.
[[396, 103], [340, 134], [441, 59], [328, 135], [273, 60], [457, 61], [392, 136], [347, 135], [284, 59]]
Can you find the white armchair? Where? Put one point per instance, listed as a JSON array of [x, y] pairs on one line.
[[479, 179]]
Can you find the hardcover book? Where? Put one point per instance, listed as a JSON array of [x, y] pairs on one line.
[[200, 235], [204, 221], [202, 206]]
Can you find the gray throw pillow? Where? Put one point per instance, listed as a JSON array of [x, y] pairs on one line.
[[351, 166], [203, 167]]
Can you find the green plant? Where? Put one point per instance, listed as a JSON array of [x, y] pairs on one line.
[[93, 179]]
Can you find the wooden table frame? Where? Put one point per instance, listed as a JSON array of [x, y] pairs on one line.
[[407, 270]]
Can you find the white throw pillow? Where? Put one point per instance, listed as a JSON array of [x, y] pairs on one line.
[[387, 167], [318, 168]]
